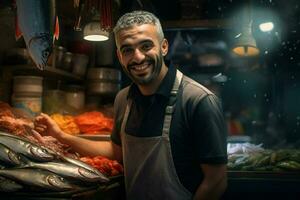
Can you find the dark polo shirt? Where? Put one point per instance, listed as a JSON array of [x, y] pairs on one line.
[[197, 134]]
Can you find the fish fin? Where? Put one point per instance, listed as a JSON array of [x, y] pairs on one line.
[[56, 32], [18, 32]]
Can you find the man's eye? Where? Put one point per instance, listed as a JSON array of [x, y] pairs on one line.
[[126, 50], [146, 46]]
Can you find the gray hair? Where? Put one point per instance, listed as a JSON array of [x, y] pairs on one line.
[[138, 17]]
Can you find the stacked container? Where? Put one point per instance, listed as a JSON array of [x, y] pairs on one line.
[[27, 94], [103, 81]]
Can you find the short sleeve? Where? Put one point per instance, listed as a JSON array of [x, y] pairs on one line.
[[209, 131]]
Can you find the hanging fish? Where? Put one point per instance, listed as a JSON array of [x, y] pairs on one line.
[[25, 147], [37, 22], [37, 178]]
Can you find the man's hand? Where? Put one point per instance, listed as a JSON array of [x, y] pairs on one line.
[[47, 126]]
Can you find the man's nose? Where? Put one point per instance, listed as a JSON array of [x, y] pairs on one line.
[[138, 56]]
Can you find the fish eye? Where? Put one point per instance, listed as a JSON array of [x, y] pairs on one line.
[[45, 53]]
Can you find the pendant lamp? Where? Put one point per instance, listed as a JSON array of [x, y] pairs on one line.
[[94, 32], [245, 44]]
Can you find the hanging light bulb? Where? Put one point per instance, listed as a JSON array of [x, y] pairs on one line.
[[245, 44], [94, 32]]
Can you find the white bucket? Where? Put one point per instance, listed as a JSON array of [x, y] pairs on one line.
[[28, 84], [30, 104]]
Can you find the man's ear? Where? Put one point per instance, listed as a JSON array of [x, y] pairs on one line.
[[165, 47]]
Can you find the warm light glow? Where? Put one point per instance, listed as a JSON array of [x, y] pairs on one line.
[[95, 37], [93, 32], [265, 27], [246, 51]]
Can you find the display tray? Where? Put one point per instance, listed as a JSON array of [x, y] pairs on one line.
[[81, 193], [100, 137], [295, 175]]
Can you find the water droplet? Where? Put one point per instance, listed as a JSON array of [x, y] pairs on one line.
[[291, 58], [298, 118], [244, 81], [266, 52], [254, 95]]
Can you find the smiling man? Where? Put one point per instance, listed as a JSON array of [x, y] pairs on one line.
[[169, 130]]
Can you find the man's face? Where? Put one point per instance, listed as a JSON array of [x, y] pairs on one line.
[[141, 53]]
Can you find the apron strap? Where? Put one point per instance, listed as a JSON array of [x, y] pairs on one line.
[[171, 104]]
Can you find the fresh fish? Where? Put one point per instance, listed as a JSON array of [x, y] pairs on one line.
[[86, 166], [25, 147], [37, 178], [8, 156], [68, 170], [7, 185], [37, 22]]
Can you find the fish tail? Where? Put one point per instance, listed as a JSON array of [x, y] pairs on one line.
[[56, 31]]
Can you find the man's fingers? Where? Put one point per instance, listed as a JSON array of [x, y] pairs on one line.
[[40, 129]]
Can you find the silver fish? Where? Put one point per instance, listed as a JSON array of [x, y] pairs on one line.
[[38, 25], [68, 170], [86, 166], [25, 147], [7, 185], [8, 156], [37, 178]]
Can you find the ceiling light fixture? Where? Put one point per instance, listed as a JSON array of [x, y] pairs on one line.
[[94, 32], [245, 44]]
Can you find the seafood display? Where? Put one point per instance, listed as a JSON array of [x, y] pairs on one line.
[[26, 147], [255, 158], [31, 162], [33, 165]]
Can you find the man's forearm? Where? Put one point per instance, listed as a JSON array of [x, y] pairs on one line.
[[88, 147], [209, 190]]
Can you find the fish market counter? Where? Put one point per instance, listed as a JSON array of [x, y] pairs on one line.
[[114, 190], [263, 185]]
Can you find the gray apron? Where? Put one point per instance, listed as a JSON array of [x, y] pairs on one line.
[[148, 164]]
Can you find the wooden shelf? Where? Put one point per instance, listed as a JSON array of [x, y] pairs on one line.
[[49, 72]]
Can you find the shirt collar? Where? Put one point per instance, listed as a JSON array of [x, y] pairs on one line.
[[164, 89]]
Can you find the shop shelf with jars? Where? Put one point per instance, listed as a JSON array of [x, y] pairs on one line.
[[49, 72]]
